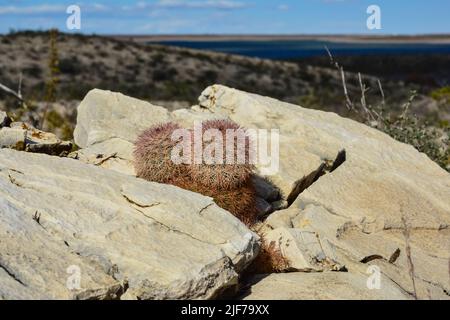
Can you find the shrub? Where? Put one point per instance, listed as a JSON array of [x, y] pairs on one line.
[[70, 65], [429, 140], [34, 71], [441, 94], [164, 74]]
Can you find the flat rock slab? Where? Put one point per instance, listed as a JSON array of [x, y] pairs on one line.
[[13, 138], [321, 286], [123, 237]]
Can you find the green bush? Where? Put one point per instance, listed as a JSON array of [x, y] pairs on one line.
[[429, 140], [441, 94]]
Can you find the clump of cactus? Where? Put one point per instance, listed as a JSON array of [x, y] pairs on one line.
[[152, 154], [230, 185], [241, 201], [225, 176]]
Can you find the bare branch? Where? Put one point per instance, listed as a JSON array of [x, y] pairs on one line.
[[11, 92], [366, 109], [332, 61], [348, 101], [383, 101], [19, 90], [407, 105]]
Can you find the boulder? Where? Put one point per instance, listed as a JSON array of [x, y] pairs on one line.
[[109, 123], [22, 136], [39, 141], [114, 154], [70, 230], [103, 115], [13, 138]]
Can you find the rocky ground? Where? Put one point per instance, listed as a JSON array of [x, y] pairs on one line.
[[355, 201]]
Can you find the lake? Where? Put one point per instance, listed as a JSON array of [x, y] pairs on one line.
[[289, 49]]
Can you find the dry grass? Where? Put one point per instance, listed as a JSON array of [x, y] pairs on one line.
[[269, 260]]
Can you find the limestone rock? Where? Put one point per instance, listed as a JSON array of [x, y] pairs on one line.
[[63, 220], [304, 250], [114, 154], [108, 123], [13, 138], [103, 115], [321, 286], [21, 136], [39, 141]]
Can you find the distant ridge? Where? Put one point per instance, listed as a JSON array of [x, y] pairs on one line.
[[426, 38]]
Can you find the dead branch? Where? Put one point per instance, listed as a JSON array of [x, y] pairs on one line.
[[11, 92], [19, 89], [340, 69], [407, 105], [364, 89], [18, 94], [383, 101]]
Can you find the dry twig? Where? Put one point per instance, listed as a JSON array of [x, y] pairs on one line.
[[348, 101]]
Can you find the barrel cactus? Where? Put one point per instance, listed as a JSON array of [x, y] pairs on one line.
[[225, 176], [241, 201], [152, 154], [230, 185]]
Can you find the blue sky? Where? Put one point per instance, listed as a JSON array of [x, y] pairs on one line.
[[229, 16]]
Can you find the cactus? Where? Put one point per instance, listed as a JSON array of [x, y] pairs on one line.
[[230, 186], [224, 176], [152, 154], [239, 201]]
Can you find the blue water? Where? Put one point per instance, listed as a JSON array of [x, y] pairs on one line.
[[307, 48]]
